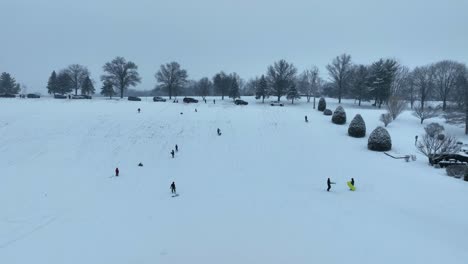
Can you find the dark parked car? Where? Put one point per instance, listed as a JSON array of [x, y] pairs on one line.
[[240, 102], [78, 97], [60, 96], [158, 99], [33, 96], [189, 100], [134, 98]]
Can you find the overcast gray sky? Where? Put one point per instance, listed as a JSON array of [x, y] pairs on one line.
[[206, 36]]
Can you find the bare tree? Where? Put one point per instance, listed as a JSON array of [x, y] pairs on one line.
[[121, 74], [424, 113], [423, 81], [309, 82], [395, 106], [446, 74], [340, 73], [386, 118], [171, 78], [359, 83], [281, 76], [204, 86], [435, 144], [77, 74], [222, 84]]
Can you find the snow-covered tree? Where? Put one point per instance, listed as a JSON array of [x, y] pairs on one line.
[[64, 83], [108, 89], [261, 90], [357, 127], [52, 85], [434, 143], [77, 74], [121, 74], [424, 113], [87, 87], [280, 76], [359, 83], [293, 93], [171, 77], [8, 84], [395, 106], [234, 91], [379, 140]]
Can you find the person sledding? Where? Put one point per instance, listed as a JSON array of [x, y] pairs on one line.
[[329, 183], [351, 185], [116, 172], [219, 132], [173, 188]]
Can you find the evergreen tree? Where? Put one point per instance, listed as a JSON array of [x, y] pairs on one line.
[[87, 87], [8, 84], [234, 91], [262, 89], [64, 83], [381, 78], [360, 88], [221, 82], [293, 93], [52, 84], [108, 89]]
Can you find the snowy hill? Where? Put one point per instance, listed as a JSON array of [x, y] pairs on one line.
[[256, 194]]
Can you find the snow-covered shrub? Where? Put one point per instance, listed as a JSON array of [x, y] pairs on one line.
[[457, 170], [357, 127], [322, 105], [339, 116], [379, 140], [434, 129], [327, 112], [395, 106], [386, 119], [434, 144]]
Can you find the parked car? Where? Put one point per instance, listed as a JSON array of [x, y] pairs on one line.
[[33, 96], [87, 96], [7, 95], [78, 97], [189, 100], [276, 104], [158, 99], [134, 98], [60, 96], [240, 102]]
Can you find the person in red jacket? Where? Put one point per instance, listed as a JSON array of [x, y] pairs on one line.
[[116, 172]]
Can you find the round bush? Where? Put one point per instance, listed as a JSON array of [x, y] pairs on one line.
[[357, 127], [322, 105], [327, 112], [379, 140], [339, 116], [457, 170]]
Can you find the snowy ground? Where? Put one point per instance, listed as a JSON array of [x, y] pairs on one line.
[[256, 194]]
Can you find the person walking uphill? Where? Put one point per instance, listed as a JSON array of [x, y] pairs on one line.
[[172, 153], [176, 148], [307, 120], [173, 188], [116, 172]]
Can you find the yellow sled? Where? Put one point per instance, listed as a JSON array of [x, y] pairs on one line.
[[351, 187]]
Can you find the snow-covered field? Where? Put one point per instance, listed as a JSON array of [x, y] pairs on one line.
[[256, 194]]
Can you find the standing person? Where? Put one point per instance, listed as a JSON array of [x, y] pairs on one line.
[[306, 119], [173, 188], [116, 172], [176, 148], [219, 132], [415, 140], [196, 110], [329, 183], [352, 181], [172, 153], [214, 101], [139, 110]]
